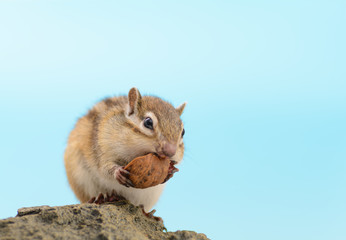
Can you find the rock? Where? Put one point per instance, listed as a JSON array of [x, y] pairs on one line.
[[119, 220]]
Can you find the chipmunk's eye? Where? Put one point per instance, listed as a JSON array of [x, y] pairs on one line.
[[148, 123], [182, 134]]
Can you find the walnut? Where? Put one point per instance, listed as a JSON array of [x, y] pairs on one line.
[[148, 170]]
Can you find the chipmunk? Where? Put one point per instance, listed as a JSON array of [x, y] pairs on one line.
[[114, 132]]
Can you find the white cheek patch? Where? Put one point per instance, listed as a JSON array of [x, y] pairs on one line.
[[145, 130]]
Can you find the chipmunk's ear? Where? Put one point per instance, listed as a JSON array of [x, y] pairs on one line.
[[134, 98], [180, 109]]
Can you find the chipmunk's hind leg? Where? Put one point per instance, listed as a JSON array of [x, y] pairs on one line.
[[108, 198], [151, 214]]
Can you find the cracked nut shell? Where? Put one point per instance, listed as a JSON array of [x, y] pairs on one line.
[[148, 170]]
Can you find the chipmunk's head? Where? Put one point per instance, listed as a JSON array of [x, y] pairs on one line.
[[158, 124]]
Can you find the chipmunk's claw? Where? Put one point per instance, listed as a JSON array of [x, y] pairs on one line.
[[92, 200], [151, 214], [122, 176], [113, 197], [98, 200]]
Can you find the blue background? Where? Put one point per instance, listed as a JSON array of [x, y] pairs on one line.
[[265, 83]]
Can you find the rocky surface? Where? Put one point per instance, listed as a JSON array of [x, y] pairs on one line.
[[119, 220]]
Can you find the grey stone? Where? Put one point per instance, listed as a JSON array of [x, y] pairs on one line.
[[110, 221]]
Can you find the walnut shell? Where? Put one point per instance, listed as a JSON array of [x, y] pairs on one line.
[[148, 170]]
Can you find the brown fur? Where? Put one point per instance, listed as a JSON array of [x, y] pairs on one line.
[[111, 134]]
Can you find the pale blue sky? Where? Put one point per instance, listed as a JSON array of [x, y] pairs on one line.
[[265, 83]]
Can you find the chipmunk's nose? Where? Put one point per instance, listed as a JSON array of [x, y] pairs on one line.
[[169, 149]]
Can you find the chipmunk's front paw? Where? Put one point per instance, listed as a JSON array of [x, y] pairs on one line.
[[172, 169], [122, 176]]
